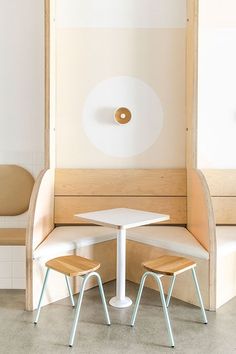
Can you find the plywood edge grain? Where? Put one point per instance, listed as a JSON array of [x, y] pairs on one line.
[[201, 222], [191, 82]]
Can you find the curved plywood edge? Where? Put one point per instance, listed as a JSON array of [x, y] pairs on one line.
[[16, 186], [201, 222], [41, 223]]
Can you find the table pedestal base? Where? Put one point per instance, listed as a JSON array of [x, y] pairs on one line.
[[116, 302]]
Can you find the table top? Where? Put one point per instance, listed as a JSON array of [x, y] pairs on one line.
[[122, 218]]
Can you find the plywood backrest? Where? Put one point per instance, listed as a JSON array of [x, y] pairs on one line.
[[16, 185], [83, 190], [222, 186]]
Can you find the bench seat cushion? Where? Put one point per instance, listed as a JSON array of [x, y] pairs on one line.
[[67, 238], [172, 238], [225, 239]]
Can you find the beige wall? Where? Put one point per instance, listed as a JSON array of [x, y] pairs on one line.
[[92, 51], [217, 84], [21, 89]]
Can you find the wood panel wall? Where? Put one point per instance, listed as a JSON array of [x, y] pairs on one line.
[[222, 186], [83, 190]]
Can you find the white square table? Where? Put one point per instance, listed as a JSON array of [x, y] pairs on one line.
[[122, 219]]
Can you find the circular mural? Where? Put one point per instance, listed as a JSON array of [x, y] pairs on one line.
[[122, 140]]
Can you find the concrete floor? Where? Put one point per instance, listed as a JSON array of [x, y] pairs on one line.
[[18, 334]]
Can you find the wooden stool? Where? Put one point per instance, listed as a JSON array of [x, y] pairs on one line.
[[171, 266], [72, 266]]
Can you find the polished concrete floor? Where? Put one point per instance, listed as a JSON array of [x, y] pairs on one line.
[[18, 334]]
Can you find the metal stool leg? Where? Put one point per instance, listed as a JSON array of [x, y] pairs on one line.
[[77, 312], [103, 299], [78, 307], [170, 290], [159, 283], [168, 325], [70, 291], [136, 306], [199, 295], [41, 296]]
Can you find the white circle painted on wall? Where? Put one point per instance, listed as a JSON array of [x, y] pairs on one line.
[[122, 140]]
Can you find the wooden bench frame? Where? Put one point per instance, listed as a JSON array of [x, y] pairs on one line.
[[222, 195], [42, 222]]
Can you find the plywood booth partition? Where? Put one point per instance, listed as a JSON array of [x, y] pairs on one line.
[[223, 196], [97, 66], [55, 231]]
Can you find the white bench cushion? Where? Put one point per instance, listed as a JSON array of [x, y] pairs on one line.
[[173, 238], [67, 238], [225, 239]]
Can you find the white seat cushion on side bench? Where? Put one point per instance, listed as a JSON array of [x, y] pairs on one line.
[[67, 238], [225, 239], [172, 238]]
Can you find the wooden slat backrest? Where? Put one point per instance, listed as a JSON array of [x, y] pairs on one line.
[[83, 190], [222, 186]]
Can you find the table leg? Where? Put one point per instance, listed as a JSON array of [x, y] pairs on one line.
[[120, 300]]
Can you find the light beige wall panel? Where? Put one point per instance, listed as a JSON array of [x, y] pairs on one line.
[[216, 84], [85, 57], [217, 13], [121, 13]]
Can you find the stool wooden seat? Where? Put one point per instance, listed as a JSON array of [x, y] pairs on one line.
[[72, 266], [167, 266]]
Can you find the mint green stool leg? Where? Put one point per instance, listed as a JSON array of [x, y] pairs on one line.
[[103, 299], [136, 306], [199, 296], [170, 290], [165, 310], [41, 296], [70, 291], [78, 307], [163, 301]]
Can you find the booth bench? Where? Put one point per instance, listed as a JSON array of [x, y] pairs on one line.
[[54, 231], [222, 190]]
